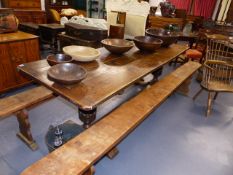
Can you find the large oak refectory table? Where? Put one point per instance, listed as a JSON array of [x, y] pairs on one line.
[[106, 76]]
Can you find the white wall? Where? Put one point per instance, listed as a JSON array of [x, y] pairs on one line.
[[42, 4], [155, 2]]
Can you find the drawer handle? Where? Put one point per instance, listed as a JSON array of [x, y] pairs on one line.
[[16, 59]]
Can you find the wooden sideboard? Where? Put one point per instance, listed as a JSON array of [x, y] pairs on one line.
[[15, 49], [22, 4], [34, 16], [26, 10], [159, 21]]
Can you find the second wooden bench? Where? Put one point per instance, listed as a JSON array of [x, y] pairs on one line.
[[18, 105], [78, 156]]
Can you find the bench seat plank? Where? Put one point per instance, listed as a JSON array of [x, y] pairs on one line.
[[80, 153], [14, 103]]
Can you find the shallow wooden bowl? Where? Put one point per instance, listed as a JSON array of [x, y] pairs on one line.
[[147, 43], [166, 36], [82, 53], [58, 58], [117, 46], [66, 73]]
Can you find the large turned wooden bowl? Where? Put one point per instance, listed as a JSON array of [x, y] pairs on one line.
[[166, 36], [66, 73], [82, 53], [147, 43], [58, 58], [117, 46]]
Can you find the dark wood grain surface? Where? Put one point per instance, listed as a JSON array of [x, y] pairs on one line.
[[106, 76], [16, 36]]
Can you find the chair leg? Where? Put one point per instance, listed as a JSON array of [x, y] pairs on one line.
[[215, 96], [198, 93], [209, 104]]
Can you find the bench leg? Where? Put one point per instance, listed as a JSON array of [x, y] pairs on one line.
[[157, 73], [111, 154], [90, 171], [184, 88], [24, 130]]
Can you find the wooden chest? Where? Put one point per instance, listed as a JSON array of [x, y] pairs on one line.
[[15, 49], [85, 32], [66, 40]]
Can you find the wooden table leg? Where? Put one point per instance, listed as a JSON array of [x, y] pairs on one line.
[[111, 154], [90, 171], [87, 117], [24, 130]]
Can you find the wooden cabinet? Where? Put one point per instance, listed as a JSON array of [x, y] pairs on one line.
[[22, 4], [35, 16], [159, 21], [15, 49], [26, 10]]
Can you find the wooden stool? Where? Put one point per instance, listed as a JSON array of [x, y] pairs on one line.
[[117, 30]]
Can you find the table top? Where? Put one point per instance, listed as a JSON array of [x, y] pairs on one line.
[[16, 36], [106, 76], [53, 26]]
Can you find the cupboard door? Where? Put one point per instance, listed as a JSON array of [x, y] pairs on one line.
[[18, 56], [7, 74], [32, 50]]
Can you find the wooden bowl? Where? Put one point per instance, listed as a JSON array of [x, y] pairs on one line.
[[58, 58], [147, 43], [82, 53], [117, 46], [166, 36], [66, 73]]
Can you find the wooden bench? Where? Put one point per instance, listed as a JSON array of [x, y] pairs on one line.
[[17, 104], [78, 156]]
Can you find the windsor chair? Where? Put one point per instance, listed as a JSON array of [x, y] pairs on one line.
[[218, 68]]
